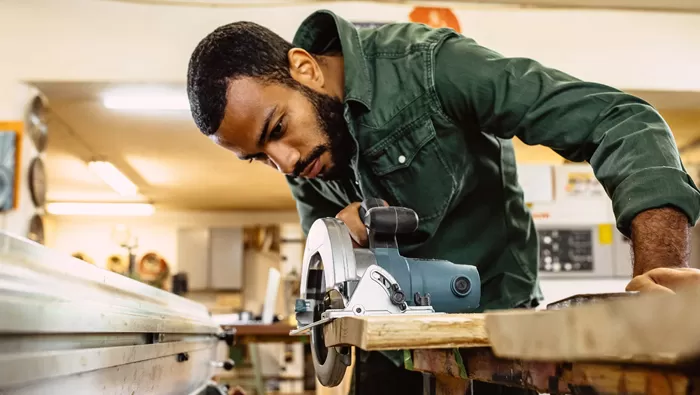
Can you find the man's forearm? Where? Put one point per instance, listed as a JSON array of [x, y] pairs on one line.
[[660, 238]]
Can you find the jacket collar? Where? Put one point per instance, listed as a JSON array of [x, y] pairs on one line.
[[319, 31]]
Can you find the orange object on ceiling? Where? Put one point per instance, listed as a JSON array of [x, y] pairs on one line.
[[435, 17]]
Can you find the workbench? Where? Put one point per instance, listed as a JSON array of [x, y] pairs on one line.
[[251, 335], [277, 332], [642, 344]]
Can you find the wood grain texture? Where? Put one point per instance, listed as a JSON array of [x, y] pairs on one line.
[[648, 328], [480, 364], [276, 329], [408, 331], [446, 385]]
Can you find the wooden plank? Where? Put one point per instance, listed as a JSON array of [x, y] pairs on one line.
[[480, 364], [408, 331], [265, 333], [446, 385], [646, 344], [647, 328], [276, 329]]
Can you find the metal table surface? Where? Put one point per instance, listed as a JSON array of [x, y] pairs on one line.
[[67, 326]]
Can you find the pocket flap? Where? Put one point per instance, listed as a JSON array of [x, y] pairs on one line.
[[399, 149]]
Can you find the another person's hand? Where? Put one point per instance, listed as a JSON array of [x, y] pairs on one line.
[[665, 279], [350, 215]]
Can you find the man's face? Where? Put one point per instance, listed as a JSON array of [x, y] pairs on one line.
[[297, 130]]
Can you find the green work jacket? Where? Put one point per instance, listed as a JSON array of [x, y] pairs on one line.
[[433, 114]]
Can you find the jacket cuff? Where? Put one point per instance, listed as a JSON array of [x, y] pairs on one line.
[[654, 188]]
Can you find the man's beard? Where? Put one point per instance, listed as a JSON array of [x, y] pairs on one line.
[[329, 112]]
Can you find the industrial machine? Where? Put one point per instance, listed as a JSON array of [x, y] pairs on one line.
[[69, 327], [339, 280], [583, 251], [575, 224], [580, 249]]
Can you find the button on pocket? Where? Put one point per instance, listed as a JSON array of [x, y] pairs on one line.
[[409, 164]]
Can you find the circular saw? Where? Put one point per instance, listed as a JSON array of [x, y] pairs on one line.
[[338, 280]]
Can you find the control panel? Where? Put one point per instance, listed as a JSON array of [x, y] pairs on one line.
[[566, 250], [575, 251]]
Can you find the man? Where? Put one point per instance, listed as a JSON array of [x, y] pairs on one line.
[[423, 118]]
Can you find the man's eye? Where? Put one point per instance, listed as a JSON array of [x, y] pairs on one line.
[[277, 131], [259, 157]]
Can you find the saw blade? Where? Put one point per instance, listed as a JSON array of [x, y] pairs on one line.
[[330, 363], [328, 262]]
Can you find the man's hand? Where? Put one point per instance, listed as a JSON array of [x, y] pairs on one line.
[[665, 280], [661, 251], [350, 215]]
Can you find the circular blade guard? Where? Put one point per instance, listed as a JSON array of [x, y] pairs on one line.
[[328, 260]]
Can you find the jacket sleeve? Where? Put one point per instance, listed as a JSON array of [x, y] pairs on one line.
[[626, 141], [311, 204]]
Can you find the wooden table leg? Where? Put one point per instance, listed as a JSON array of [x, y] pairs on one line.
[[257, 368]]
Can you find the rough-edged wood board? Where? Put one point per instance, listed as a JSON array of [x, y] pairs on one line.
[[648, 328], [555, 378], [447, 385], [408, 331]]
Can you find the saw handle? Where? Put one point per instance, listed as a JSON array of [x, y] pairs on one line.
[[387, 220], [368, 204]]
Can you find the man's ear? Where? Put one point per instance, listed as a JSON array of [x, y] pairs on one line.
[[304, 68]]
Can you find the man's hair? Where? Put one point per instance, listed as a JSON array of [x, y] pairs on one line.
[[239, 49]]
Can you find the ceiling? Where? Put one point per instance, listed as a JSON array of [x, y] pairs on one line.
[[171, 162], [177, 167], [660, 5], [655, 5]]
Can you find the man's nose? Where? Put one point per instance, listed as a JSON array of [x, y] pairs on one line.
[[282, 156]]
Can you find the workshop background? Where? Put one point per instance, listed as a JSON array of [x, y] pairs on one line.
[[101, 159]]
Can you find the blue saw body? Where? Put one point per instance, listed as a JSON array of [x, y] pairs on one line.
[[452, 288]]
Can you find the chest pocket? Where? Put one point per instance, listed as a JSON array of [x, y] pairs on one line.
[[411, 166]]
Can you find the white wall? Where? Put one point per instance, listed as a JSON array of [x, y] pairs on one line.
[[117, 41], [93, 235]]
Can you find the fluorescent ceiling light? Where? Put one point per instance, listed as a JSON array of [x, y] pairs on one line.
[[113, 177], [100, 209], [146, 101]]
